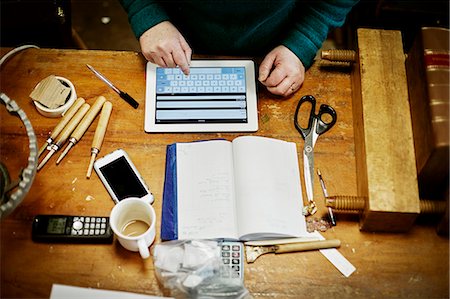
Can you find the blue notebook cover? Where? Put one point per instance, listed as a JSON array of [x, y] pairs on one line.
[[169, 215]]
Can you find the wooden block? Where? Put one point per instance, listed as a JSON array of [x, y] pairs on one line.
[[384, 149]]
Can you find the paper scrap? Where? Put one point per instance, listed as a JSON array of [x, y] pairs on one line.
[[336, 258], [50, 92], [68, 292]]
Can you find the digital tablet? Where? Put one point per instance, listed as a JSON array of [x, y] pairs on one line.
[[217, 96]]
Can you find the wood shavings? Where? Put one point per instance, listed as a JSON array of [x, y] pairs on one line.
[[89, 198], [317, 224]]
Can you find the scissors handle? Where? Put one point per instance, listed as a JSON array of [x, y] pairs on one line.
[[305, 131], [322, 125]]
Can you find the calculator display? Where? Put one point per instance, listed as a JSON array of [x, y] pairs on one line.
[[56, 225]]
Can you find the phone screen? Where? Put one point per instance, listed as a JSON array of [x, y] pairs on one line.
[[122, 179]]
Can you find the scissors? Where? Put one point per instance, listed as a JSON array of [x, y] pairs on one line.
[[317, 125]]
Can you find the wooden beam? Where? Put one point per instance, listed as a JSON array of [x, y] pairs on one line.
[[384, 149]]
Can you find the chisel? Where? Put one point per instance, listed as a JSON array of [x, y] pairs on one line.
[[62, 138], [60, 126], [99, 135], [83, 126]]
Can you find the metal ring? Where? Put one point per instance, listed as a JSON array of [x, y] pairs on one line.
[[28, 174]]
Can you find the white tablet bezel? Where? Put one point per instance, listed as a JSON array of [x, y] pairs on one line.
[[151, 126]]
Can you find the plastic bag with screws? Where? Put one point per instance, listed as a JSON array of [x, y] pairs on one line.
[[194, 269]]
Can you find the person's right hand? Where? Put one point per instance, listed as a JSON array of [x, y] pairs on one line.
[[164, 45]]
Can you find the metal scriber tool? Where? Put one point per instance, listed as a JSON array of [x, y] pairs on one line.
[[60, 126], [99, 135], [83, 126], [122, 94], [62, 138], [325, 194]]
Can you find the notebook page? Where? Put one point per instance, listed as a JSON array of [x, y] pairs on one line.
[[205, 189], [268, 192]]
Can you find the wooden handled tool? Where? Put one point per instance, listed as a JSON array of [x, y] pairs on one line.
[[99, 135], [60, 126], [68, 129], [83, 126], [294, 247], [253, 252]]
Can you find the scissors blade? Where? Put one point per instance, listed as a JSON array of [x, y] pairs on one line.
[[308, 161], [307, 174]]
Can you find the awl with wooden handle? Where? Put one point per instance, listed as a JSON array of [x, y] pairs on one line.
[[253, 252], [68, 129], [99, 135], [60, 126], [83, 126]]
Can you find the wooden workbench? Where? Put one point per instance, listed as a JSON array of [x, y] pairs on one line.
[[414, 264]]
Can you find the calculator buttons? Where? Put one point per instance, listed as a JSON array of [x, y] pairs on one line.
[[231, 253], [77, 224]]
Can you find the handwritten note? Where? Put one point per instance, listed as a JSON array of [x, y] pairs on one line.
[[206, 192]]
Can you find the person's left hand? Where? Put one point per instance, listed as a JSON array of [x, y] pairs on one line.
[[281, 72]]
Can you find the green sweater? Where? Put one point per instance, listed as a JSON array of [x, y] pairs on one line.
[[245, 27]]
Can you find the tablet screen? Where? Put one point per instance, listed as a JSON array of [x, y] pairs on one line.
[[206, 95], [216, 96]]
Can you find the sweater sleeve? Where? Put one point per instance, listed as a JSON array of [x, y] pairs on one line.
[[143, 14], [315, 21]]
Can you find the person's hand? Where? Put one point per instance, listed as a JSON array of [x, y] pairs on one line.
[[281, 71], [164, 45]]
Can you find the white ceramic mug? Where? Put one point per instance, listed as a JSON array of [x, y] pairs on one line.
[[134, 210]]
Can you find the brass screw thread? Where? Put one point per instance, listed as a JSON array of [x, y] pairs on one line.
[[339, 55], [356, 203], [348, 203], [432, 206]]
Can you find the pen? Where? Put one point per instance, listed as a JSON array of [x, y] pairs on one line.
[[325, 193], [122, 94]]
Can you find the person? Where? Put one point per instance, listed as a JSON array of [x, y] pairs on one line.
[[287, 33]]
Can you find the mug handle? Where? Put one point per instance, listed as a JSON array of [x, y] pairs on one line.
[[143, 248]]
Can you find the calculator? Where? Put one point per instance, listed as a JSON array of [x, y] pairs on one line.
[[232, 255]]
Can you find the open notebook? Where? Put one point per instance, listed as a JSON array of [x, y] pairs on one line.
[[247, 189], [217, 96]]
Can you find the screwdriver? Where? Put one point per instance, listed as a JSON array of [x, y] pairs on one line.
[[99, 135], [65, 133], [122, 94], [60, 126], [83, 126]]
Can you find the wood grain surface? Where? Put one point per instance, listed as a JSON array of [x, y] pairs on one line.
[[413, 264], [385, 159]]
